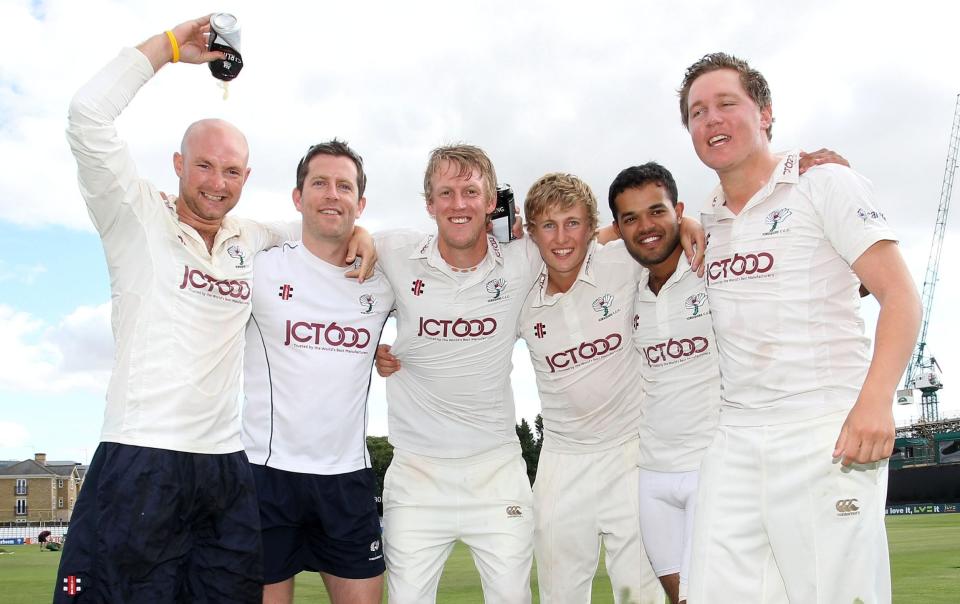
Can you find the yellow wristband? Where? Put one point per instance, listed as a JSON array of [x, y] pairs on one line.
[[176, 47]]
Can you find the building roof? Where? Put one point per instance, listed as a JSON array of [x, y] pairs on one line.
[[62, 469], [27, 467]]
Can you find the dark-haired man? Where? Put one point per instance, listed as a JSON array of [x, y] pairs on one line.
[[310, 346], [792, 488], [678, 362]]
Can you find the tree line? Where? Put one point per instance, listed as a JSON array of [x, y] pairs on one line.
[[531, 441]]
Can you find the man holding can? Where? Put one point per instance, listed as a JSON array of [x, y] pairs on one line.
[[168, 509]]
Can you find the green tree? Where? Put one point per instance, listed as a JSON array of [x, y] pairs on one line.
[[529, 447], [381, 454]]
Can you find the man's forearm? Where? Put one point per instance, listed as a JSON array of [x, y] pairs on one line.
[[158, 49], [897, 326]]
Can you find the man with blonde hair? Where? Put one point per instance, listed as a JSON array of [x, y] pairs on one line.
[[577, 323], [457, 472]]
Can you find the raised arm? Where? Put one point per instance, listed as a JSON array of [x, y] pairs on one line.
[[106, 171]]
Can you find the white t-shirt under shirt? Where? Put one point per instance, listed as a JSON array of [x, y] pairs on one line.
[[673, 332], [783, 296], [452, 396], [310, 346], [588, 373], [178, 310]]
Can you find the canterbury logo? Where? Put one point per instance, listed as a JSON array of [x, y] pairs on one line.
[[513, 511], [847, 506]]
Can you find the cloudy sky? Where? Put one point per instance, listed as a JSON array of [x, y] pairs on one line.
[[582, 87]]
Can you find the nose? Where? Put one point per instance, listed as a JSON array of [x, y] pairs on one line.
[[713, 117], [459, 201], [217, 181]]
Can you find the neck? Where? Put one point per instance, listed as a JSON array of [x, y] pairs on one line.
[[331, 251], [662, 271], [464, 258], [742, 182], [560, 283], [207, 229]]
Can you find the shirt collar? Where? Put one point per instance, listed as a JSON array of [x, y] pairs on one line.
[[643, 285], [428, 249], [786, 171], [586, 275]]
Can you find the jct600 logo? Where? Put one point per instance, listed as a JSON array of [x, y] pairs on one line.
[[583, 352], [739, 265], [457, 328], [338, 336]]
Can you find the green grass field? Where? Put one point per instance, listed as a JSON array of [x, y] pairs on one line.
[[924, 554]]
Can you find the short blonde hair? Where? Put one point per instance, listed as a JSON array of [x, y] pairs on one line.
[[466, 158], [561, 191]]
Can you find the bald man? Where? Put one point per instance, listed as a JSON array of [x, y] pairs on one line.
[[168, 510]]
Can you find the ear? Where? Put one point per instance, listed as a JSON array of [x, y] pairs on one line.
[[297, 203], [679, 209], [246, 175], [431, 210], [766, 117], [361, 204], [491, 205], [178, 164], [616, 229]]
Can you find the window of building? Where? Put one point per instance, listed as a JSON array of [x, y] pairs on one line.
[[21, 507], [59, 483], [60, 503], [21, 486]]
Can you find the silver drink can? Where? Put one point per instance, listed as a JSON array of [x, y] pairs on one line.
[[225, 37]]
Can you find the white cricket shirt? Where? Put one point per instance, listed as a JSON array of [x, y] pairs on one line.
[[588, 373], [784, 299], [452, 396], [673, 332], [178, 311], [310, 346]]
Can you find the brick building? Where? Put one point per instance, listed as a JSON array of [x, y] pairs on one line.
[[35, 490]]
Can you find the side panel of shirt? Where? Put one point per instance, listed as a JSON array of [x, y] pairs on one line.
[[785, 301], [452, 396], [587, 371], [310, 345], [673, 332]]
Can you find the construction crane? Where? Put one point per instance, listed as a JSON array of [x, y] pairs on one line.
[[923, 372]]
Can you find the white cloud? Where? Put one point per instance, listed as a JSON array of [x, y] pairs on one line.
[[21, 273], [74, 355], [14, 435], [543, 86]]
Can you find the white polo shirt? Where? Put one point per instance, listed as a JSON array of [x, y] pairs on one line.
[[674, 334], [784, 299], [588, 373], [455, 335], [178, 310], [310, 345]]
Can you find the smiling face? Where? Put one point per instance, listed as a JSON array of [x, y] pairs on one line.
[[460, 204], [649, 224], [563, 237], [329, 200], [212, 166], [727, 127]]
